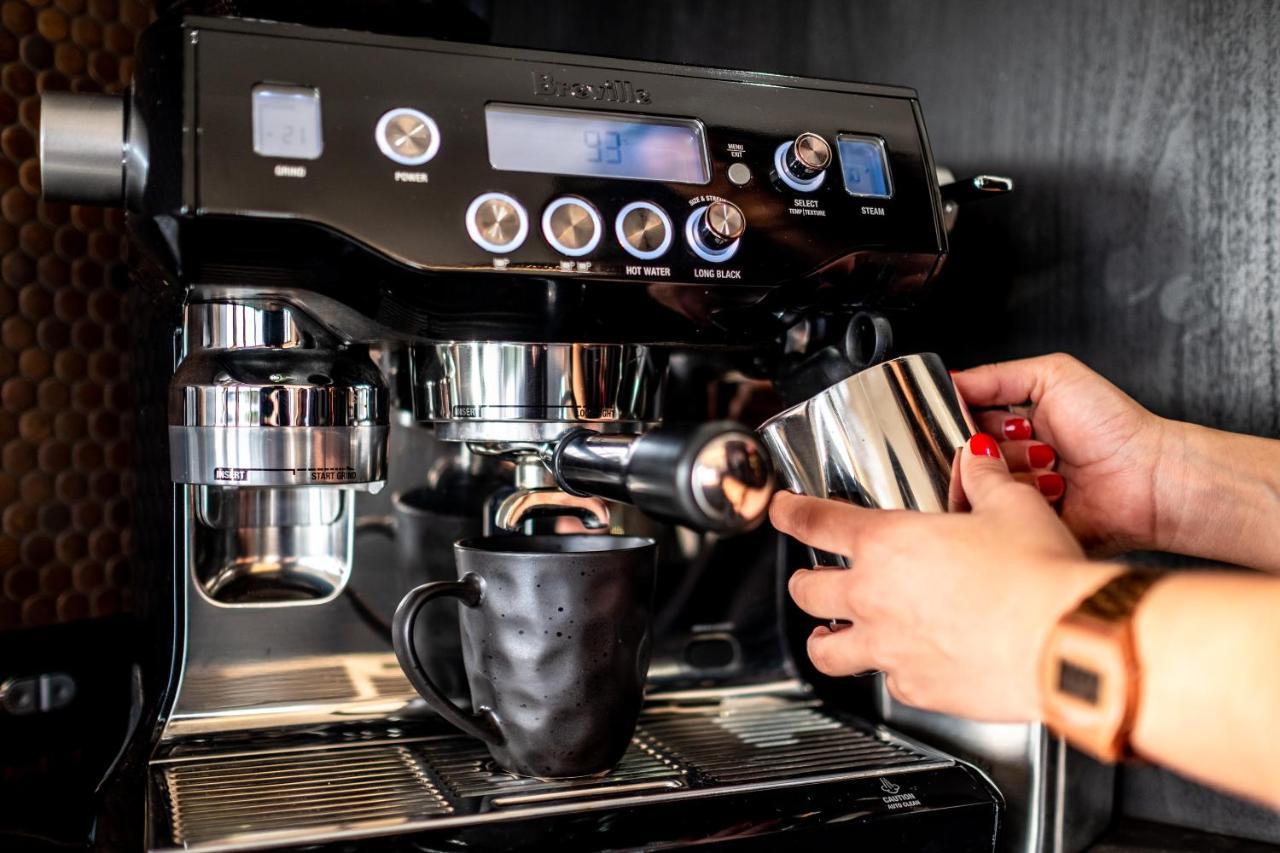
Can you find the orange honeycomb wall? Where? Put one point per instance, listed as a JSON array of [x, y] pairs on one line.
[[64, 342]]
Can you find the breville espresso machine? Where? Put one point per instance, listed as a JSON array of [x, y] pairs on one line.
[[545, 289]]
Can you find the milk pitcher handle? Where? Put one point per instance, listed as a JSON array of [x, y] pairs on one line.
[[482, 724]]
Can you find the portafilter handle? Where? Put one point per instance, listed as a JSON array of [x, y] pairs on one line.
[[714, 477]]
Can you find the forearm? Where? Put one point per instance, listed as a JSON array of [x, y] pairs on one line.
[[1208, 646], [1218, 496]]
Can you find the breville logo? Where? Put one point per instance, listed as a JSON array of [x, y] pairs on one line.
[[613, 91]]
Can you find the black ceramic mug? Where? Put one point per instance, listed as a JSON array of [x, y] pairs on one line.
[[555, 639]]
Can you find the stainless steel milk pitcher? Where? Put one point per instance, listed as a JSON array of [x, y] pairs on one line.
[[886, 437]]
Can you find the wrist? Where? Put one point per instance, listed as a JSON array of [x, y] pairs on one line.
[[1178, 453], [1216, 495], [1069, 584]]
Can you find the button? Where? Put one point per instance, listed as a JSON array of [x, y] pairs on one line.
[[407, 136], [714, 230], [497, 222], [644, 230], [740, 174], [802, 163], [572, 225]]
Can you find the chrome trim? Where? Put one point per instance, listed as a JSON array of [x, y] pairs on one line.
[[280, 456], [82, 148], [494, 391], [275, 388], [256, 401], [561, 795], [525, 504], [272, 547], [224, 324]]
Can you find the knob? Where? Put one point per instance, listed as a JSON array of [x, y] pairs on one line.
[[497, 222], [572, 225], [713, 230], [82, 148], [802, 163]]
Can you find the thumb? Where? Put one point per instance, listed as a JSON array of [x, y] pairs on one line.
[[983, 473]]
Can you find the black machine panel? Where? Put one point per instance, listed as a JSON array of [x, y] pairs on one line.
[[390, 142]]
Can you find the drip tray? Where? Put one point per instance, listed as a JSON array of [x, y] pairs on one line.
[[386, 783]]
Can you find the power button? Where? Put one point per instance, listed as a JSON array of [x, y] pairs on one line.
[[407, 136]]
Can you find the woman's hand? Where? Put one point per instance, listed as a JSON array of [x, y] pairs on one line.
[[953, 607], [1108, 447]]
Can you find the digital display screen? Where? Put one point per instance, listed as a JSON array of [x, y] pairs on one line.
[[865, 168], [286, 122], [592, 144]]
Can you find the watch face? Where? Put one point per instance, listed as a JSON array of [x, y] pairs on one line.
[[1075, 680], [1085, 683]]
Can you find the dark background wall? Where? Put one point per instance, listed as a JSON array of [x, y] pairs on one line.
[[1143, 233]]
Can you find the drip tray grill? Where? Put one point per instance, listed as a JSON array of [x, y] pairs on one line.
[[769, 744], [467, 771], [225, 799], [306, 794]]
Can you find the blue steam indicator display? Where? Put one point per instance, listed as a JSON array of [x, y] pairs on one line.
[[596, 144], [865, 167]]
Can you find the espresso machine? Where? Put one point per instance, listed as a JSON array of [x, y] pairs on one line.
[[542, 290]]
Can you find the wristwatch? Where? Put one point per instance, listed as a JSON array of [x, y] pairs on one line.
[[1089, 669]]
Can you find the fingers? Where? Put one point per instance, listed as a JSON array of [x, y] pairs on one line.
[[1007, 383], [840, 653], [1004, 425], [827, 525], [1028, 455], [822, 592], [983, 473], [1048, 483]]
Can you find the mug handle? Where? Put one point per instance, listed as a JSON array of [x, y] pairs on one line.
[[482, 724]]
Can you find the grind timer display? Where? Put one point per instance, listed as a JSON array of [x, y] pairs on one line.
[[286, 122], [602, 145]]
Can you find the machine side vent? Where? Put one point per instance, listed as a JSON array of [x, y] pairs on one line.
[[737, 747], [464, 766], [320, 791]]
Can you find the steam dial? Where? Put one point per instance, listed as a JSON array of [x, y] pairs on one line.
[[714, 230], [802, 163]]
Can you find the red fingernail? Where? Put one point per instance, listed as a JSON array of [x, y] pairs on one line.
[[1051, 486], [1041, 456], [1017, 429], [984, 445]]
